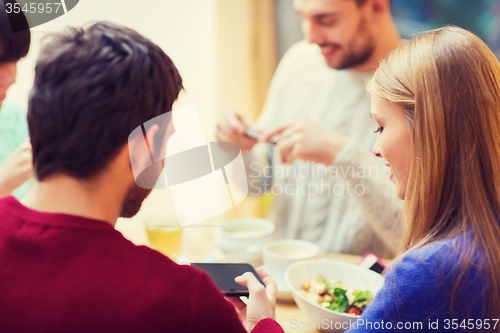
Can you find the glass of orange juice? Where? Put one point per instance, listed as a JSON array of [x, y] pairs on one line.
[[164, 234]]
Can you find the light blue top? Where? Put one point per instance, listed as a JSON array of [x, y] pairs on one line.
[[417, 290], [13, 131]]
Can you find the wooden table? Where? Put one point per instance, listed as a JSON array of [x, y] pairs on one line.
[[198, 241]]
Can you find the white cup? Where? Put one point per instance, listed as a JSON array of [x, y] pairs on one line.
[[241, 240], [280, 254]]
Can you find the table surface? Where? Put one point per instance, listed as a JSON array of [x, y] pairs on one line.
[[198, 241]]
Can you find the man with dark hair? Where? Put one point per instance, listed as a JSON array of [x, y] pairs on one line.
[[15, 149], [64, 266], [81, 143], [328, 187]]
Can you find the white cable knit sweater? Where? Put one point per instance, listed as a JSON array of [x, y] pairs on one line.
[[349, 206]]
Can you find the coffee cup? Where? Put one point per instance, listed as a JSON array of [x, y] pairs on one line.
[[241, 240], [280, 254]]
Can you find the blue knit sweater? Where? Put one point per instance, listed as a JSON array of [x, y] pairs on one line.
[[417, 289]]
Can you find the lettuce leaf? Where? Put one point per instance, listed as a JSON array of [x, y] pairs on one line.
[[362, 298], [341, 303]]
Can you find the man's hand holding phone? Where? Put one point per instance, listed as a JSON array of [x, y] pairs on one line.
[[232, 128], [261, 294], [305, 139], [261, 301]]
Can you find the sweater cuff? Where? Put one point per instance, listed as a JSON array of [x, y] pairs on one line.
[[351, 155], [267, 325]]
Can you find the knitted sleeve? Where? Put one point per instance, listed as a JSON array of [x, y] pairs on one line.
[[383, 210], [258, 160]]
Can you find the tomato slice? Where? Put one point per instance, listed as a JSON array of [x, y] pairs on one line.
[[354, 310]]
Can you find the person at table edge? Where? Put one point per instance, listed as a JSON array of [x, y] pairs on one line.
[[15, 150], [64, 266], [329, 188]]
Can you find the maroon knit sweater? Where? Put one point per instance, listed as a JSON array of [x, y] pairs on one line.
[[64, 273]]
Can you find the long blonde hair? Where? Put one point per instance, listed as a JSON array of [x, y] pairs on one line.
[[447, 82]]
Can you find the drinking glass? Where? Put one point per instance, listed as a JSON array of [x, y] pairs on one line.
[[164, 234]]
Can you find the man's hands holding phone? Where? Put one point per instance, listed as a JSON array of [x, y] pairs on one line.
[[261, 299], [300, 138], [261, 302], [305, 139], [232, 127]]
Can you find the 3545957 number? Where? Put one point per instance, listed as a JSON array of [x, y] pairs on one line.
[[33, 7], [471, 324]]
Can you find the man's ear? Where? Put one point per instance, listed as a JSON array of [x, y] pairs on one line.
[[378, 9], [157, 134], [145, 162], [150, 135], [157, 140], [139, 149]]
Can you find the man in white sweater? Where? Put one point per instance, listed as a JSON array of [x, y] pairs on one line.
[[328, 186]]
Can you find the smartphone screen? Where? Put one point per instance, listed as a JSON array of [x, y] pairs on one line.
[[372, 262], [376, 267], [223, 275]]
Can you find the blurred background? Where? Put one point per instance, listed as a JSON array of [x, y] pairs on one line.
[[227, 51]]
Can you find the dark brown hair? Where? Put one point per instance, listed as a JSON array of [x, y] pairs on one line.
[[13, 45], [93, 86]]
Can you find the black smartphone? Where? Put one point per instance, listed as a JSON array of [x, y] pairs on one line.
[[223, 275], [372, 262]]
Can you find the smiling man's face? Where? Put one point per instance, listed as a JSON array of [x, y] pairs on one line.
[[340, 28]]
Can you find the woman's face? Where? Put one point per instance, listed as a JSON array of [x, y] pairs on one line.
[[8, 71], [393, 142]]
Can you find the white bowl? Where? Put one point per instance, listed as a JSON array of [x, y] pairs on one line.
[[356, 276]]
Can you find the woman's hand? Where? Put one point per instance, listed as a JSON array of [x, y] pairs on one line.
[[16, 169], [261, 302]]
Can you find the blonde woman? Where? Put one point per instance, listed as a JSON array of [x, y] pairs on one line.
[[436, 100]]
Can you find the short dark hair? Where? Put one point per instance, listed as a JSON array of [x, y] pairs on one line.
[[13, 45], [93, 86]]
